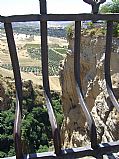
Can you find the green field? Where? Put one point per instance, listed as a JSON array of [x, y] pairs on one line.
[[61, 50], [55, 55]]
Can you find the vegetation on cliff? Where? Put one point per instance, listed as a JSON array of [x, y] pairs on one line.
[[112, 7], [36, 129], [98, 28]]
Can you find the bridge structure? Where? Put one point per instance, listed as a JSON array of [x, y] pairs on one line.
[[95, 149]]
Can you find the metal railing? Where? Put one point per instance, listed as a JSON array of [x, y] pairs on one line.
[[95, 148]]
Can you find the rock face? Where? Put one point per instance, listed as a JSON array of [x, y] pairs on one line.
[[29, 91], [6, 91], [74, 129]]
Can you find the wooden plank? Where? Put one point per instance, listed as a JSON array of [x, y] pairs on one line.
[[59, 17]]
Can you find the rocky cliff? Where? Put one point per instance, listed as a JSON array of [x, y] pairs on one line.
[[74, 129], [6, 92], [29, 90]]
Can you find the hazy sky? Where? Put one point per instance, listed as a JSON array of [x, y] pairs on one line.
[[15, 7]]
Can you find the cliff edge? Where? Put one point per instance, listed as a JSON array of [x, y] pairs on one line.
[[74, 129]]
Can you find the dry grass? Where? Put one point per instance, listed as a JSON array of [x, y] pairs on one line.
[[54, 80]]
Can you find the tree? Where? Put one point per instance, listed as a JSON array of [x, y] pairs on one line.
[[6, 133], [36, 131], [112, 7], [70, 31]]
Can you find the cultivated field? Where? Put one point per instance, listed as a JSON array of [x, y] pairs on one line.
[[28, 48]]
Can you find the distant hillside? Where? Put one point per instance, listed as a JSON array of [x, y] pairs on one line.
[[36, 24], [55, 29]]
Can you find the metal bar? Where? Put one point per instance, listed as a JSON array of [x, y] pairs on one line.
[[103, 149], [90, 121], [44, 49], [43, 18], [18, 84], [107, 64], [20, 18], [77, 43], [44, 58], [95, 5], [79, 17], [59, 17]]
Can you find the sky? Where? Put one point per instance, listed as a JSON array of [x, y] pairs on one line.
[[16, 7]]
